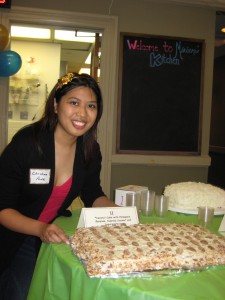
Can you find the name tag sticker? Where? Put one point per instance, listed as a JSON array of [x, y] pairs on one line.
[[98, 216], [39, 176]]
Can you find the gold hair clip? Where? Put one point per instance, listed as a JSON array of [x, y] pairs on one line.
[[65, 80]]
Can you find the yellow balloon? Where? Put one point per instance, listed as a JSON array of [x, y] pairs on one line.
[[4, 37]]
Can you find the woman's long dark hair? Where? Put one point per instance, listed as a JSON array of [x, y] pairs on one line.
[[66, 83]]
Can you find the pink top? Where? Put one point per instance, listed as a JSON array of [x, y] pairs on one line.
[[55, 201]]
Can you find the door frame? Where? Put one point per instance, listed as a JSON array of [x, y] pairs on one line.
[[108, 25]]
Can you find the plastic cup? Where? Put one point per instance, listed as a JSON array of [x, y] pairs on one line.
[[147, 202], [161, 205], [205, 215], [133, 199]]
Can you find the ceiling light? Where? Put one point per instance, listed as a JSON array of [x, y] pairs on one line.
[[30, 32], [75, 35]]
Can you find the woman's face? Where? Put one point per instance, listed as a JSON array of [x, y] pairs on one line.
[[77, 111]]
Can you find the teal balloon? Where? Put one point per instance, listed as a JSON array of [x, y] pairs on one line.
[[10, 63]]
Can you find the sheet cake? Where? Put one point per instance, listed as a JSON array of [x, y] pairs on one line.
[[123, 249]]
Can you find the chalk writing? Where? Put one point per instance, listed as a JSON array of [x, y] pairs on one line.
[[166, 54], [138, 45]]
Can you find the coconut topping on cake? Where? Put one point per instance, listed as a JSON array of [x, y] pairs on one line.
[[191, 195]]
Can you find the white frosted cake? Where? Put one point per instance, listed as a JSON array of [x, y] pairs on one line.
[[191, 195], [124, 249]]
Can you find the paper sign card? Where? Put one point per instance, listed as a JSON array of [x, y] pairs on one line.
[[98, 216]]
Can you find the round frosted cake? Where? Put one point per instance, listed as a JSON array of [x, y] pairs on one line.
[[191, 195]]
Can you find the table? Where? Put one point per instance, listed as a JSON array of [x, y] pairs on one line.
[[59, 275]]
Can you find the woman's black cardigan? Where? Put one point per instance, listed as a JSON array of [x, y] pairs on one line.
[[16, 192]]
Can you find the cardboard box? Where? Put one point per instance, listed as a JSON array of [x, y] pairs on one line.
[[120, 194]]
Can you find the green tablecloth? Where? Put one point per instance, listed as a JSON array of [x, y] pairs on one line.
[[59, 275]]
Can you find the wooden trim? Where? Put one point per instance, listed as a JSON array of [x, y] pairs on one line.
[[217, 149]]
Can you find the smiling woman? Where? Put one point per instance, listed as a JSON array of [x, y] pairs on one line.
[[61, 160]]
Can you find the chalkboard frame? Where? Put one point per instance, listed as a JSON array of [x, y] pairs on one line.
[[196, 149]]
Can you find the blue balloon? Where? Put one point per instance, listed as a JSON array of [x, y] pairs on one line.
[[10, 63]]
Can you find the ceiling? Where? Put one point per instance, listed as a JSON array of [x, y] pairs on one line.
[[74, 54], [217, 4]]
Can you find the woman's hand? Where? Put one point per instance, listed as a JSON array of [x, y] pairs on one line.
[[48, 233], [51, 233]]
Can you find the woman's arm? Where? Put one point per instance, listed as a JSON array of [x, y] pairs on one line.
[[15, 221], [103, 201]]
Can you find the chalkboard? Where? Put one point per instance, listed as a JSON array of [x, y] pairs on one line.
[[159, 103]]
